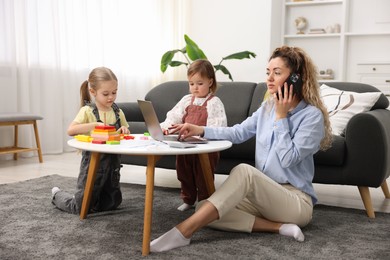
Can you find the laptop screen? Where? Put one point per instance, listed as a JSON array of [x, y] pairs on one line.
[[151, 120]]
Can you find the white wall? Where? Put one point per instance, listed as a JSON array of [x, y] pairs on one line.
[[223, 27]]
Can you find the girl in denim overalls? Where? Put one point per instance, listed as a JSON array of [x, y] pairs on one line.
[[200, 107], [102, 84]]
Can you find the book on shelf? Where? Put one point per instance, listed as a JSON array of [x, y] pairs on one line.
[[325, 76], [317, 30]]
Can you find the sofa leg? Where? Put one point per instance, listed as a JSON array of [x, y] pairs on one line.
[[366, 197], [385, 189]]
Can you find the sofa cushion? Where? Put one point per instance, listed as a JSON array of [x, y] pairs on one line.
[[381, 103], [343, 105], [237, 99], [258, 97], [333, 156], [165, 96]]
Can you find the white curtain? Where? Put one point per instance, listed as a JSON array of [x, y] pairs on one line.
[[48, 48]]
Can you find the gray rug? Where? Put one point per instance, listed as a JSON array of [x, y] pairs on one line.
[[31, 228]]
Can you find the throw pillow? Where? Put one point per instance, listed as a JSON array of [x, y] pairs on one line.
[[343, 105]]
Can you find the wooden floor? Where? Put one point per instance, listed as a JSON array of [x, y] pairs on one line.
[[67, 164]]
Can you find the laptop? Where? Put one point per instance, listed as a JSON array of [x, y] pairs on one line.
[[154, 128]]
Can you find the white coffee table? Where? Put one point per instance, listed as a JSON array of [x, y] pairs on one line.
[[153, 150]]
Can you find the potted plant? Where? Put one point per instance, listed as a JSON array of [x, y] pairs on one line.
[[192, 52]]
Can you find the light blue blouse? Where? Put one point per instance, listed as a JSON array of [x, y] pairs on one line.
[[284, 148]]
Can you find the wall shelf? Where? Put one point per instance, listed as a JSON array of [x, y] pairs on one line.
[[367, 34], [317, 35], [358, 40], [303, 3], [324, 48]]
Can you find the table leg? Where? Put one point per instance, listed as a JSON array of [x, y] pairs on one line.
[[152, 159], [16, 141], [93, 166], [38, 143], [207, 173]]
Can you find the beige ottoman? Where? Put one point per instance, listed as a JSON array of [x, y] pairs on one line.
[[16, 119]]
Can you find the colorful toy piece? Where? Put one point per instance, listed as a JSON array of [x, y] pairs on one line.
[[83, 138], [128, 137], [105, 127], [98, 142], [113, 142], [105, 133]]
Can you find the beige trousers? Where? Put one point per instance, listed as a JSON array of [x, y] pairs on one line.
[[248, 193]]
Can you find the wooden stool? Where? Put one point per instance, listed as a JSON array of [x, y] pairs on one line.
[[16, 119]]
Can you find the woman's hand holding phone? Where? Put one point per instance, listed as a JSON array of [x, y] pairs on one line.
[[284, 100]]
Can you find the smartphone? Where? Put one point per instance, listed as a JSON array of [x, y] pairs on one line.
[[295, 80]]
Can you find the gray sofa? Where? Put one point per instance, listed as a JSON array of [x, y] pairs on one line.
[[360, 158]]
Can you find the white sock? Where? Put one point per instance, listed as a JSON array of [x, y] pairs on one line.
[[54, 191], [185, 207], [170, 240], [292, 230]]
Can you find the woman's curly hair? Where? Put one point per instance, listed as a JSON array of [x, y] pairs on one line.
[[299, 62]]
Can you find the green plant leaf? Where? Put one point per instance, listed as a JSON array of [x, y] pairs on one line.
[[240, 55], [176, 63], [166, 59], [193, 51], [224, 70]]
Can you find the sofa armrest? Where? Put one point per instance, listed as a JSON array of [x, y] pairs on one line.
[[367, 148]]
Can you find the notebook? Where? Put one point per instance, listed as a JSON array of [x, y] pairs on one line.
[[154, 128]]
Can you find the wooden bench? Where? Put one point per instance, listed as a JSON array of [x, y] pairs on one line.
[[16, 119]]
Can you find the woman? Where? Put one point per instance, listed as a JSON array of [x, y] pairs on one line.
[[276, 196]]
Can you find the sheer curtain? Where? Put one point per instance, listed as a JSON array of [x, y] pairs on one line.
[[48, 48]]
